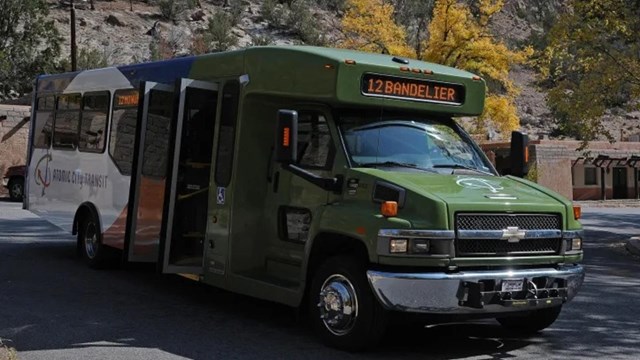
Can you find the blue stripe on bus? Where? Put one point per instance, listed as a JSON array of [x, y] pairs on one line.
[[161, 71]]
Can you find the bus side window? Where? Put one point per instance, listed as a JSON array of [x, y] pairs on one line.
[[93, 125], [124, 120], [43, 131], [315, 147], [228, 120], [67, 122]]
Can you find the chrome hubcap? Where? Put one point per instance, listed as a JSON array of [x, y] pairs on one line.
[[338, 304], [91, 240]]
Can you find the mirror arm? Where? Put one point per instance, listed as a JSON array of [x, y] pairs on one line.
[[329, 184]]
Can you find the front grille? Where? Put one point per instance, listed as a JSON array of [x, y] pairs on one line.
[[498, 247], [502, 247], [502, 221]]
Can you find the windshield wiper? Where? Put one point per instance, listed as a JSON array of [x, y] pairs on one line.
[[460, 166], [392, 164]]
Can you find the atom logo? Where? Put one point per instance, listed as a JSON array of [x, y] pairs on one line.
[[475, 183]]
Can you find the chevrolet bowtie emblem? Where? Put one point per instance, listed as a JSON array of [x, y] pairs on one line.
[[513, 234]]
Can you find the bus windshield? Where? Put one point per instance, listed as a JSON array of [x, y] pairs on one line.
[[409, 142]]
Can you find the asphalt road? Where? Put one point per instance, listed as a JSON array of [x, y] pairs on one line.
[[53, 307]]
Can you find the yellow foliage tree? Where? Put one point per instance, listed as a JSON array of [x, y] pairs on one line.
[[368, 25], [458, 39]]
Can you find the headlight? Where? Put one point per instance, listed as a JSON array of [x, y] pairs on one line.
[[576, 244], [398, 246]]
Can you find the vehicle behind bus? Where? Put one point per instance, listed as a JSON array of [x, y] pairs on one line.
[[331, 180]]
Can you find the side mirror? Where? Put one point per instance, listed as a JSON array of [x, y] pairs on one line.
[[519, 154], [287, 137]]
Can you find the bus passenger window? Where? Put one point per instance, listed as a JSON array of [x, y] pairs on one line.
[[93, 126], [43, 131], [123, 129], [67, 121], [228, 119], [315, 147]]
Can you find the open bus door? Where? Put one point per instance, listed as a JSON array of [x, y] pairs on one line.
[[149, 172], [187, 189]]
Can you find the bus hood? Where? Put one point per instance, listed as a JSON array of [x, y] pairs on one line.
[[479, 192]]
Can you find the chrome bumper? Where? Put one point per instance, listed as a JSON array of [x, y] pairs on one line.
[[475, 292]]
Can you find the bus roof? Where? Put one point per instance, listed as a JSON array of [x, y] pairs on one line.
[[337, 76]]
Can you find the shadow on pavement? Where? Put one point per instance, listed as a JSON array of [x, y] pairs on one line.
[[51, 301]]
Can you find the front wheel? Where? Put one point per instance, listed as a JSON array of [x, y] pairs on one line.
[[16, 189], [344, 312], [532, 322]]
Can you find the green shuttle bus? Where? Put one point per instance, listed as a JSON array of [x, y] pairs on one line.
[[331, 180]]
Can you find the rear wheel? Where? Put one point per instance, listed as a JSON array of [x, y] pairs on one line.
[[532, 322], [342, 307], [90, 241], [16, 188]]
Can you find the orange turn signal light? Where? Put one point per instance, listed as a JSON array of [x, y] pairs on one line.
[[286, 136], [577, 212], [389, 208]]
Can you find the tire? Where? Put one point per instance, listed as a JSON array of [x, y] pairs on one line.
[[340, 280], [532, 322], [90, 242], [16, 188]]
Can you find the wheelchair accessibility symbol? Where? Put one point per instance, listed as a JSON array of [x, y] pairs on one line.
[[221, 195]]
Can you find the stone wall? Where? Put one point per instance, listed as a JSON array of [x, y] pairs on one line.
[[14, 134]]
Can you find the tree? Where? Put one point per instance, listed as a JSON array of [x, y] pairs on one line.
[[592, 64], [454, 37], [368, 25], [29, 43], [459, 39]]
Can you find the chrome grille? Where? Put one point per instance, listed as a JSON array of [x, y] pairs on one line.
[[502, 247], [502, 221]]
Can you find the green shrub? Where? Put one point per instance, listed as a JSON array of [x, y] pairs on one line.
[[272, 13], [218, 34], [172, 9], [236, 8], [262, 40], [304, 24]]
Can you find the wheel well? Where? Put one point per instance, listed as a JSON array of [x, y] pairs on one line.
[[14, 177], [326, 245], [85, 209]]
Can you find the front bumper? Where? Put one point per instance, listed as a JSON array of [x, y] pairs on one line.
[[475, 292]]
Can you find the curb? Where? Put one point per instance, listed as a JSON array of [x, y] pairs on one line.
[[633, 245]]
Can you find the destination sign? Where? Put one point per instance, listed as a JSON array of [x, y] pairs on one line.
[[412, 89], [127, 98]]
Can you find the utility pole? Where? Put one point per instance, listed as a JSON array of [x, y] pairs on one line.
[[74, 50]]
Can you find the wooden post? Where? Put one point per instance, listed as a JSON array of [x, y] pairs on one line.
[[74, 49]]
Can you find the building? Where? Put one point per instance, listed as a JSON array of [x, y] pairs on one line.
[[14, 135], [602, 171]]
